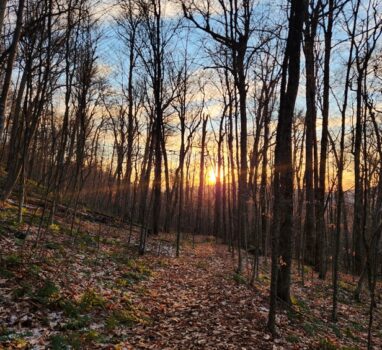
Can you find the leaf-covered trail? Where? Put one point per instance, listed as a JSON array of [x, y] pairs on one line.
[[194, 303], [105, 296]]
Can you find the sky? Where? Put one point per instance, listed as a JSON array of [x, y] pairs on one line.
[[112, 58]]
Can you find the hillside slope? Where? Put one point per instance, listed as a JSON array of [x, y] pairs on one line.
[[83, 286]]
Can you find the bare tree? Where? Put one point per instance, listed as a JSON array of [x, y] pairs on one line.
[[282, 227]]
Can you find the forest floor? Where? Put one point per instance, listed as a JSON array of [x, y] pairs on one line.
[[87, 288]]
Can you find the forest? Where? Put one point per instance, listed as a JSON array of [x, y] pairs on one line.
[[191, 174]]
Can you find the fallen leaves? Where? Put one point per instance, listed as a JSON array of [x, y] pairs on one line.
[[193, 307], [103, 297]]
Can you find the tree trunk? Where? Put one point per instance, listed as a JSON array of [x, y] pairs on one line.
[[282, 232]]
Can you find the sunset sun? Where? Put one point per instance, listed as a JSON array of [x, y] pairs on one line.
[[211, 177]]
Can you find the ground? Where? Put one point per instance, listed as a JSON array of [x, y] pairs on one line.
[[84, 286]]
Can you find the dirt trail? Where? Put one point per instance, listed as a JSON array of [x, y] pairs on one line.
[[195, 303]]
